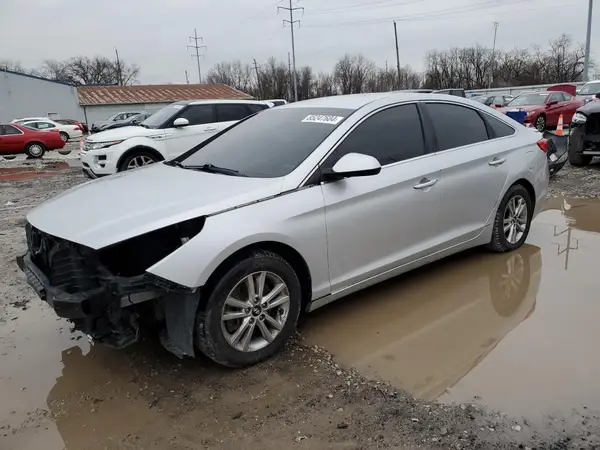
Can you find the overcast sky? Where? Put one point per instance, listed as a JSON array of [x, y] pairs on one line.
[[154, 33]]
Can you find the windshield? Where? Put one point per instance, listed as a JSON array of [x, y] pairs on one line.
[[270, 144], [529, 100], [162, 115], [590, 89]]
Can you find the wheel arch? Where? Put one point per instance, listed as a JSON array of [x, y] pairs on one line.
[[286, 251], [139, 148], [528, 187]]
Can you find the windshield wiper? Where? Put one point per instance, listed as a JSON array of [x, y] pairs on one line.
[[210, 168]]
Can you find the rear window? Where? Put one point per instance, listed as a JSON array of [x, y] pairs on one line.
[[271, 144]]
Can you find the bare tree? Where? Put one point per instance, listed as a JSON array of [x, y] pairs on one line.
[[82, 70], [14, 66]]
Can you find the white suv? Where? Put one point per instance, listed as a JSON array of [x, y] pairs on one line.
[[164, 135]]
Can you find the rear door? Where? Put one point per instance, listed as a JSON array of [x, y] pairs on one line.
[[230, 113], [474, 158], [378, 223], [202, 125]]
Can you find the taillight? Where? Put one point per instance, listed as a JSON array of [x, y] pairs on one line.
[[543, 144]]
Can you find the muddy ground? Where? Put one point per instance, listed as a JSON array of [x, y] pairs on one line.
[[478, 351]]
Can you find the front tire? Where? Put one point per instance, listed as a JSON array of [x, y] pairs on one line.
[[251, 311], [579, 159], [64, 136], [35, 150], [136, 160], [540, 123], [512, 221]]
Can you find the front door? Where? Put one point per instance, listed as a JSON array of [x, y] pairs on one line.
[[380, 222], [475, 168], [11, 139], [202, 125]]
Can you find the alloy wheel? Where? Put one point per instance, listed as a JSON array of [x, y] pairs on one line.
[[255, 311], [512, 277], [540, 124], [139, 161], [515, 219]]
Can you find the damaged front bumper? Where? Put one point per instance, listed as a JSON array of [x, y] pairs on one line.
[[106, 307]]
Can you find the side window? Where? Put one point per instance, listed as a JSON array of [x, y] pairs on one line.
[[254, 108], [44, 126], [119, 117], [392, 135], [231, 112], [35, 125], [567, 97], [455, 125], [500, 128], [499, 101], [9, 130], [556, 97], [199, 114]]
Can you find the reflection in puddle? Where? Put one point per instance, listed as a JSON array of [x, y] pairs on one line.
[[466, 329], [423, 332]]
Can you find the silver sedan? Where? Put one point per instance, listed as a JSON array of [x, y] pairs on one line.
[[282, 213]]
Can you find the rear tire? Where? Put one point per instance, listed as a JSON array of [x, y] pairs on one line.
[[64, 136], [511, 227], [137, 159], [35, 150], [270, 321]]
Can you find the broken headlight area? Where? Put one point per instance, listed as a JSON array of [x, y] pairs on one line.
[[106, 293], [585, 134]]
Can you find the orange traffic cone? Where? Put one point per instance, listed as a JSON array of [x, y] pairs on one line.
[[559, 128]]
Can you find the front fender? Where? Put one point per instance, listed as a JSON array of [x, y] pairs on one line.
[[296, 219]]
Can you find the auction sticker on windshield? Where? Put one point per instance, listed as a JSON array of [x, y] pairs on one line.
[[320, 118]]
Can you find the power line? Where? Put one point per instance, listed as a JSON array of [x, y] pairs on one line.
[[361, 7], [292, 22], [428, 14], [197, 47], [496, 25]]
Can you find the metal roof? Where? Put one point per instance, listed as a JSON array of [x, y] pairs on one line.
[[155, 93]]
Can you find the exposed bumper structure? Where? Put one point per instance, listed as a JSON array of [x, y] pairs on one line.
[[98, 163]]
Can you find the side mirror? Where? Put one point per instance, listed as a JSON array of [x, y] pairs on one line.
[[552, 103], [181, 122], [353, 165]]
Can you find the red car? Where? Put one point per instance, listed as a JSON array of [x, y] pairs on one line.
[[15, 139], [545, 107]]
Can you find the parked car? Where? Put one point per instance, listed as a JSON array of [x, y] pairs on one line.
[[494, 101], [118, 117], [456, 92], [584, 142], [544, 108], [278, 102], [165, 135], [283, 212], [82, 125], [131, 121], [66, 132], [16, 139], [589, 91]]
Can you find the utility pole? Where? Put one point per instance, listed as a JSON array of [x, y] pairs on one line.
[[586, 64], [496, 25], [397, 55], [197, 55], [119, 75], [292, 22], [290, 72], [187, 79], [260, 92]]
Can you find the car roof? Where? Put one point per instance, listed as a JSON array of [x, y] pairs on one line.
[[357, 101], [219, 101]]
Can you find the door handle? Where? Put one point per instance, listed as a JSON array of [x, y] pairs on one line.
[[425, 183], [210, 129], [497, 161]]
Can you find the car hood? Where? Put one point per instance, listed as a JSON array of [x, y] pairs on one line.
[[592, 107], [124, 133], [112, 209]]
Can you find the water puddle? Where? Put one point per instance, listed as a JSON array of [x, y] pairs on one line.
[[516, 332]]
